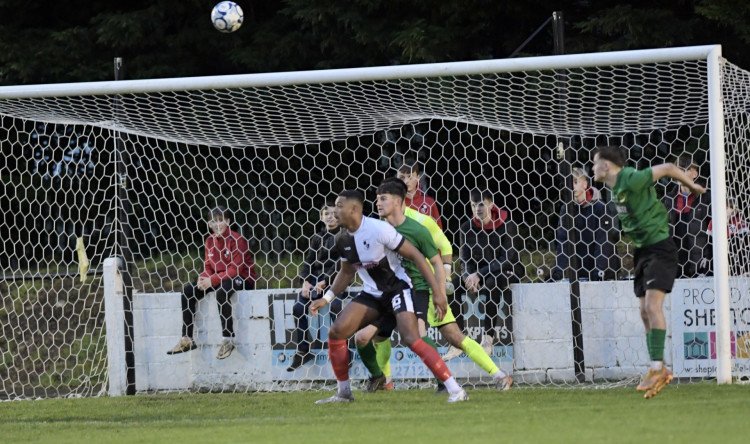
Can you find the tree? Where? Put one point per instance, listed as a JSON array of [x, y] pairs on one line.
[[77, 40]]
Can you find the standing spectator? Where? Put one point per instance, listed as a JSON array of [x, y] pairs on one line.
[[490, 261], [596, 254], [688, 219], [415, 198], [738, 239], [318, 272], [228, 267]]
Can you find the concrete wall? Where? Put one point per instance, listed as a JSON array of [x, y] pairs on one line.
[[542, 350]]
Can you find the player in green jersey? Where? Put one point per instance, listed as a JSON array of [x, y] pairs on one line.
[[643, 219], [423, 232]]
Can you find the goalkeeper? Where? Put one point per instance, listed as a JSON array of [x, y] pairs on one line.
[[422, 231]]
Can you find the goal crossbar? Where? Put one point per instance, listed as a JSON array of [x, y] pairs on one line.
[[660, 55]]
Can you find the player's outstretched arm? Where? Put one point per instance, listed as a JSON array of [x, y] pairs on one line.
[[439, 300], [343, 279], [672, 171], [439, 270]]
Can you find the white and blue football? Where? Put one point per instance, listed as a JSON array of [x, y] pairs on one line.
[[227, 16]]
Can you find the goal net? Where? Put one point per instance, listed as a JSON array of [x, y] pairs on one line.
[[131, 169]]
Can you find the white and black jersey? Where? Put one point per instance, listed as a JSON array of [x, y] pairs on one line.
[[372, 251]]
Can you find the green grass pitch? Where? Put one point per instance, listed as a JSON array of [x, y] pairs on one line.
[[681, 413]]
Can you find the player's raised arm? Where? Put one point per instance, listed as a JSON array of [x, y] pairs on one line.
[[439, 300], [671, 170], [342, 280]]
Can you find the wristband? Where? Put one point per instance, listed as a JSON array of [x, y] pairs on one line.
[[448, 270], [329, 296]]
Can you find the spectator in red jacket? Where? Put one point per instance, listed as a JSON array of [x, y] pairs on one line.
[[228, 267], [738, 236], [415, 198]]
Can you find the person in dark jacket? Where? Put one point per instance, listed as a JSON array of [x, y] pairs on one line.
[[590, 242], [688, 220], [228, 268], [490, 263], [317, 274]]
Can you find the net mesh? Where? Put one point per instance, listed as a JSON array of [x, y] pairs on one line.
[[148, 166]]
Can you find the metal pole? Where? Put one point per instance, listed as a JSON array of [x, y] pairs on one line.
[[570, 157], [719, 213], [122, 213]]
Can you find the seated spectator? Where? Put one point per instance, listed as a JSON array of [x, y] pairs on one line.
[[228, 267], [590, 242], [688, 220], [317, 274]]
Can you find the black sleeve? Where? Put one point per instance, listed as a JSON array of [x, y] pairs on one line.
[[469, 266], [332, 260], [561, 236], [511, 244], [312, 257]]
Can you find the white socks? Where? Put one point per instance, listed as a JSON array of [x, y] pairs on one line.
[[344, 386]]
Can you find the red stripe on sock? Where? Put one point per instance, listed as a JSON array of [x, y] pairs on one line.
[[338, 354], [432, 359]]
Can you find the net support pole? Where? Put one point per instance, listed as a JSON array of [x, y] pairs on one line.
[[123, 214], [570, 157], [719, 214]]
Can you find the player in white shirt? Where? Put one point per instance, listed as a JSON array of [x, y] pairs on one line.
[[371, 248]]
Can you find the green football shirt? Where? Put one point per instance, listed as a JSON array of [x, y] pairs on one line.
[[418, 235], [642, 216], [441, 241]]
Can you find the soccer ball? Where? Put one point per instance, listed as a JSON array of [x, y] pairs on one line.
[[227, 16]]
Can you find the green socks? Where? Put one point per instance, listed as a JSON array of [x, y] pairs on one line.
[[369, 359], [383, 354], [476, 353], [656, 343]]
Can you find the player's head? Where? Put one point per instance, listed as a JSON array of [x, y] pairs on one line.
[[219, 219], [691, 168], [328, 214], [608, 160], [580, 184], [409, 173], [390, 197], [482, 203], [731, 206], [349, 205]]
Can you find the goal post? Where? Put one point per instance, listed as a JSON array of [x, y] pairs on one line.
[[718, 196], [273, 147]]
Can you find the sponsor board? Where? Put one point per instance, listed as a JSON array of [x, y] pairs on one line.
[[694, 327]]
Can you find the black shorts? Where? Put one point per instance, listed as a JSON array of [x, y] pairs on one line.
[[655, 267], [387, 323], [388, 303]]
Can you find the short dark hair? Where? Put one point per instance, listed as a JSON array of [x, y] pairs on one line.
[[614, 154], [477, 196], [409, 168], [393, 185], [220, 211], [329, 202], [353, 194], [686, 162]]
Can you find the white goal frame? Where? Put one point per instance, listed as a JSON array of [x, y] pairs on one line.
[[710, 53]]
